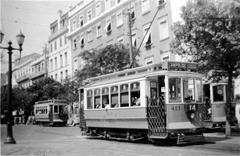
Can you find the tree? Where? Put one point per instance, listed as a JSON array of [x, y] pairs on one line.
[[211, 35], [106, 60], [45, 89]]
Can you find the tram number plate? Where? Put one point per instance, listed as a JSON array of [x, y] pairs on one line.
[[192, 107], [176, 108]]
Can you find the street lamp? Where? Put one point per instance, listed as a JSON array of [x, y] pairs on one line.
[[20, 40]]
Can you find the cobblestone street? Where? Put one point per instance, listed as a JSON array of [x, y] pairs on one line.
[[48, 141]]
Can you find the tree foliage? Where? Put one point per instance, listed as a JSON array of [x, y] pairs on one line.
[[106, 60], [210, 34]]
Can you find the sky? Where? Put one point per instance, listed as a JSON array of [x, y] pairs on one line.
[[33, 18]]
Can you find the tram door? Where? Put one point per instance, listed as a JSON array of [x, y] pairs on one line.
[[207, 105], [51, 113], [156, 109], [218, 101]]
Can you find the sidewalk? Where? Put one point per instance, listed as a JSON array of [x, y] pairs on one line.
[[219, 139]]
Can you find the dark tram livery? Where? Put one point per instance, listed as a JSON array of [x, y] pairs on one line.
[[159, 101], [50, 112]]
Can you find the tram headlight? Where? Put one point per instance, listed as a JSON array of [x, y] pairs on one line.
[[192, 115]]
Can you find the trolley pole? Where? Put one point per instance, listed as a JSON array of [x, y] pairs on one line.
[[132, 63]]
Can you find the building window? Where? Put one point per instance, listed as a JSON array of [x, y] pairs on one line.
[[89, 15], [119, 19], [148, 38], [99, 30], [66, 73], [74, 25], [163, 29], [145, 6], [61, 61], [65, 39], [55, 45], [120, 40], [108, 26], [166, 58], [75, 65], [118, 1], [51, 64], [56, 77], [51, 48], [98, 9], [89, 35], [56, 63], [132, 14], [66, 59], [61, 76], [107, 4], [82, 42], [81, 21], [134, 40], [149, 60], [60, 42], [74, 44]]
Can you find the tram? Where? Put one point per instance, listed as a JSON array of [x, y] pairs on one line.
[[159, 101], [50, 112], [214, 104]]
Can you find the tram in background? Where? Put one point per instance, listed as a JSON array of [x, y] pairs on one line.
[[214, 104], [50, 112], [159, 101]]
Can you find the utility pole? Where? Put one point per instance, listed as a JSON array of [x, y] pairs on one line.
[[132, 62]]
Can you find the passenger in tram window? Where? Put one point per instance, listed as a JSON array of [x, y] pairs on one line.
[[136, 101]]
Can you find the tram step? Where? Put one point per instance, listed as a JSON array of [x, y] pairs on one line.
[[183, 139]]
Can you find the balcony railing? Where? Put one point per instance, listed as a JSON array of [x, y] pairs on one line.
[[37, 74]]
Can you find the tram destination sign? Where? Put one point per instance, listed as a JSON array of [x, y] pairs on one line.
[[181, 66]]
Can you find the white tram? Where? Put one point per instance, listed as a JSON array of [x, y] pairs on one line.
[[50, 112], [157, 102]]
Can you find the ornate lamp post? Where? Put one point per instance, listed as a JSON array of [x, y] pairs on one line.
[[20, 40]]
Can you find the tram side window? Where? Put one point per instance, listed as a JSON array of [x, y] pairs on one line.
[[114, 96], [174, 90], [124, 95], [188, 89], [89, 99], [105, 97], [135, 94], [198, 90], [97, 103], [218, 93], [55, 109], [61, 109]]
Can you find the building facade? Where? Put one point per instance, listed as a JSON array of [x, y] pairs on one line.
[[59, 57], [22, 70], [97, 23], [38, 69]]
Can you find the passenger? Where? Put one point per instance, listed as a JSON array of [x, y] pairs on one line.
[[136, 101], [106, 106]]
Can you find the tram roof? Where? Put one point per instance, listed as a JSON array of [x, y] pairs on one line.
[[51, 101], [143, 71]]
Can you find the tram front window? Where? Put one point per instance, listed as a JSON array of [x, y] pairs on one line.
[[174, 89], [188, 89]]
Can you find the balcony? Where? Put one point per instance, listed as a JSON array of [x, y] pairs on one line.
[[22, 78], [37, 74], [57, 34]]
